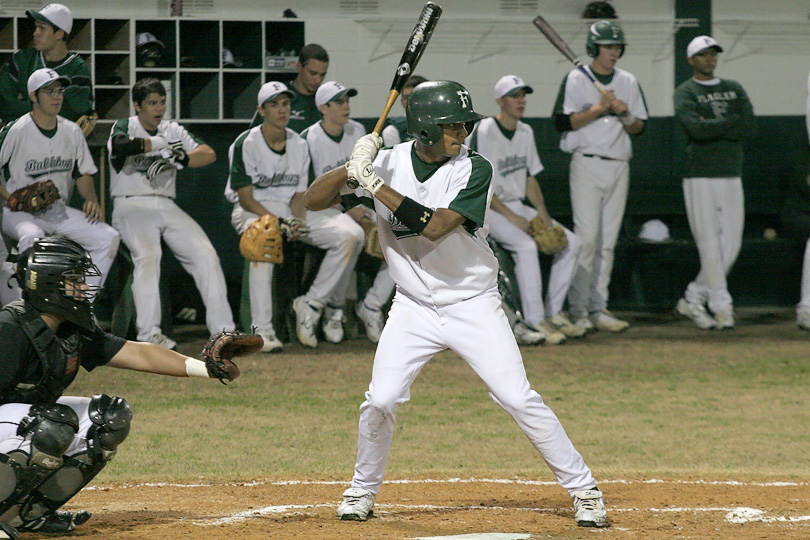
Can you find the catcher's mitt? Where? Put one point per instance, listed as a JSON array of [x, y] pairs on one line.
[[373, 247], [87, 122], [221, 348], [550, 240], [262, 242], [34, 197]]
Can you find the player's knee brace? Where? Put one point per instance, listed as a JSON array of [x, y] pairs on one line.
[[52, 429], [111, 417]]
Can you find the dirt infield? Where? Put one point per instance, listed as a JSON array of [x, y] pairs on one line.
[[407, 509]]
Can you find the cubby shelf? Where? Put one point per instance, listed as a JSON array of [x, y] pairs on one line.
[[212, 68]]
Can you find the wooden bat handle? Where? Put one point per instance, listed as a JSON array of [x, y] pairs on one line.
[[392, 98]]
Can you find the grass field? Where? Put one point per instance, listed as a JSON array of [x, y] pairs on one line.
[[691, 434], [662, 399]]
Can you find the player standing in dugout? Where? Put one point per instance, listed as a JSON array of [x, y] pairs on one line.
[[716, 115], [53, 23], [596, 129]]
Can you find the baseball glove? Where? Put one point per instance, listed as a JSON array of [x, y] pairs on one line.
[[550, 240], [373, 247], [262, 241], [34, 197], [87, 122], [223, 347]]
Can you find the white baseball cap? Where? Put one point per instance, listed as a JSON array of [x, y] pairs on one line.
[[700, 44], [654, 230], [271, 89], [509, 84], [144, 38], [332, 90], [54, 14], [44, 77]]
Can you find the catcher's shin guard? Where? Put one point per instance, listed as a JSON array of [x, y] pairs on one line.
[[111, 417], [52, 429]]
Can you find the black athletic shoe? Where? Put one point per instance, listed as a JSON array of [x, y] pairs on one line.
[[60, 521]]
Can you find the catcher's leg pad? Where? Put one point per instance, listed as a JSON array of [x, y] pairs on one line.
[[111, 417], [52, 429]]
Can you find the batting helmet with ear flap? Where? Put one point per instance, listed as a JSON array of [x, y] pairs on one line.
[[604, 33], [434, 103], [52, 274]]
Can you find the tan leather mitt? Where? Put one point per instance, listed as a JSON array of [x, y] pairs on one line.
[[373, 246], [550, 240], [262, 241]]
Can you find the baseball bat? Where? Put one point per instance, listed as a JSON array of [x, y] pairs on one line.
[[417, 42], [563, 47]]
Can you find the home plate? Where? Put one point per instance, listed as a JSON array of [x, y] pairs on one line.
[[479, 536]]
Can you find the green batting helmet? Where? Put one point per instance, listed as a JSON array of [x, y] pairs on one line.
[[434, 103], [604, 33]]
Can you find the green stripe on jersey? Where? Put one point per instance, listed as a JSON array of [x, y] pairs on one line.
[[239, 175], [471, 202]]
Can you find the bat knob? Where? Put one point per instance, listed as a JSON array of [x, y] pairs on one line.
[[352, 183]]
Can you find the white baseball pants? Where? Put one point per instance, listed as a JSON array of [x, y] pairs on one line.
[[142, 222], [343, 239], [9, 288], [716, 212], [527, 264], [598, 198], [804, 302], [338, 234], [477, 330], [99, 239]]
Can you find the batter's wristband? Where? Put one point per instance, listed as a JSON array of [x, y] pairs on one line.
[[413, 215]]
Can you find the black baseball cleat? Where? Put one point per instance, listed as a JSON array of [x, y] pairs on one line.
[[60, 521]]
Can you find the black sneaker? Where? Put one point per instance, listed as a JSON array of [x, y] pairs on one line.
[[8, 532], [60, 521]]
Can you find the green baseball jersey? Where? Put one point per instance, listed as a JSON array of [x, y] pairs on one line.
[[14, 100], [716, 115]]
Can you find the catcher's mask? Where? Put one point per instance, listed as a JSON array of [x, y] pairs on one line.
[[434, 103], [53, 274], [604, 33]]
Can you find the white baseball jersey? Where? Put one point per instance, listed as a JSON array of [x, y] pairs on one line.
[[513, 156], [29, 154], [327, 152], [131, 179], [605, 136], [275, 176], [461, 265]]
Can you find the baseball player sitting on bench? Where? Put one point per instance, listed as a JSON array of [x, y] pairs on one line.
[[330, 144], [146, 152], [43, 149], [509, 145], [52, 446], [270, 166], [431, 197]]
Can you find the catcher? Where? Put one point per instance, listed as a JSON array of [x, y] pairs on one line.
[[523, 229], [51, 446]]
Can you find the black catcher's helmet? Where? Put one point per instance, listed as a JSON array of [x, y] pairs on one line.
[[52, 274]]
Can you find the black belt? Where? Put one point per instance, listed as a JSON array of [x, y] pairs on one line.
[[602, 157]]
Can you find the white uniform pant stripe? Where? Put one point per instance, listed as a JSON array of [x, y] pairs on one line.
[[598, 198], [99, 239], [715, 208], [804, 303], [478, 331], [527, 264], [143, 221]]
